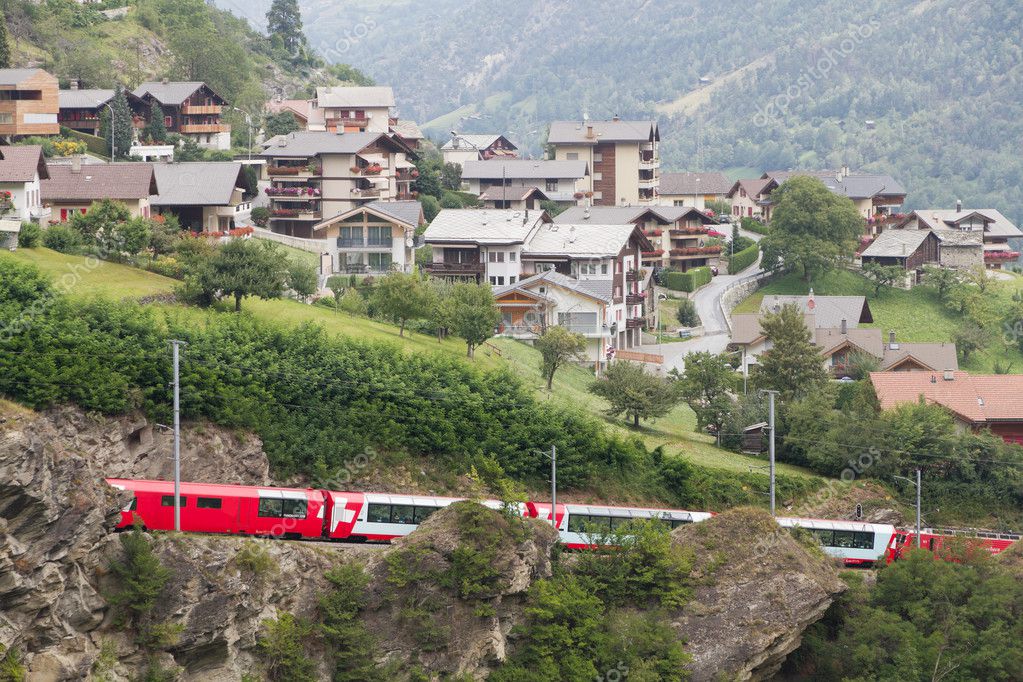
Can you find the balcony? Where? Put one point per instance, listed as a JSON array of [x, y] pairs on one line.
[[632, 276], [649, 183], [201, 109], [656, 253], [648, 161], [456, 268], [688, 231], [656, 232], [367, 244], [695, 251], [203, 128], [360, 122], [295, 214], [634, 299], [293, 193], [635, 323], [1000, 256], [297, 172], [365, 194]]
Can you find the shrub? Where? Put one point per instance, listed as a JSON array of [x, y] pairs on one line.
[[62, 238], [281, 645], [688, 281], [141, 578], [260, 216], [687, 315], [743, 259], [352, 646], [754, 225], [12, 669], [29, 236]]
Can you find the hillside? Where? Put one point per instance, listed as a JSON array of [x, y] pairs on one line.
[[792, 83]]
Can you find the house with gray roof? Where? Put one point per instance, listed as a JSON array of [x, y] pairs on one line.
[[994, 229], [190, 108], [693, 189], [22, 169], [353, 109], [203, 195], [562, 181], [461, 148], [374, 238], [908, 249], [73, 188], [80, 109]]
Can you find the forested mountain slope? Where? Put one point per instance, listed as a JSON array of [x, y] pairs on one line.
[[792, 83]]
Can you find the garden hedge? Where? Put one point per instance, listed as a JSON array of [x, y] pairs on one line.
[[689, 281], [743, 259]]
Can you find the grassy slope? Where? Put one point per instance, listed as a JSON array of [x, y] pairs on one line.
[[915, 315], [676, 430]]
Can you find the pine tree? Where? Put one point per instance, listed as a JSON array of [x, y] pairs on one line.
[[123, 130], [5, 45], [284, 20], [157, 128]]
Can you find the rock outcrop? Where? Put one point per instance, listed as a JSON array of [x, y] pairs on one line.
[[757, 590]]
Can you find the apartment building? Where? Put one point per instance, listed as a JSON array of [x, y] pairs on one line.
[[563, 181], [312, 176], [190, 108], [350, 109], [29, 103], [481, 245], [375, 238], [692, 189], [622, 156]]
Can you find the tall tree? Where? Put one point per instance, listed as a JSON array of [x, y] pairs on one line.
[[156, 129], [558, 346], [122, 129], [793, 365], [5, 44], [473, 314], [634, 393], [284, 21], [705, 385], [402, 297], [812, 228]]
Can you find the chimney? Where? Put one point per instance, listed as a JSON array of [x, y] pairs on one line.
[[949, 375], [164, 80], [959, 205], [76, 163], [73, 84], [810, 303], [589, 132], [845, 327]]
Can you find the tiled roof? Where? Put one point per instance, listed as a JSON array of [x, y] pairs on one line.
[[308, 143], [694, 183], [298, 107], [600, 289], [896, 243], [523, 169], [577, 132], [172, 92], [752, 186], [100, 181], [408, 212], [488, 226], [471, 142], [746, 328], [196, 183], [371, 97], [999, 225], [84, 99], [579, 241], [831, 339], [510, 192], [937, 356], [975, 398], [20, 163], [828, 311]]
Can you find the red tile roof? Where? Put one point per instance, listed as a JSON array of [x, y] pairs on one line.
[[975, 398]]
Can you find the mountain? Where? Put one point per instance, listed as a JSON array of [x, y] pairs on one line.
[[930, 91]]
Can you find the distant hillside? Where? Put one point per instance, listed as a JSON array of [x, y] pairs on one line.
[[791, 83]]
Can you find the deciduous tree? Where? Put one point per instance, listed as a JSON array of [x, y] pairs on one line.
[[242, 268], [474, 316], [634, 393], [558, 346], [883, 276], [704, 386], [401, 297]]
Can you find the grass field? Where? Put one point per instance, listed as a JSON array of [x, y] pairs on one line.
[[675, 430], [915, 315]]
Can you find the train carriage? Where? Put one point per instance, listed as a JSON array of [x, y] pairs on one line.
[[579, 525], [949, 542], [856, 543]]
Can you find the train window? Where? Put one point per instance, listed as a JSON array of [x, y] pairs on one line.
[[825, 537], [576, 523], [864, 540], [294, 509], [421, 514], [168, 501], [379, 513], [134, 504], [619, 521], [270, 506], [675, 523], [402, 513], [209, 503]]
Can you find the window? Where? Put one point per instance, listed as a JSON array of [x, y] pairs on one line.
[[598, 157], [597, 177], [167, 122], [282, 508], [500, 281], [6, 118], [209, 503], [379, 261], [493, 281], [543, 267], [844, 539], [402, 513], [511, 279], [572, 156], [379, 513], [552, 185], [421, 513], [380, 236], [586, 268], [168, 501], [603, 268], [496, 256], [512, 256]]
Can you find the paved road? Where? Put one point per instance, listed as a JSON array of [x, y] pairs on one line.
[[708, 306]]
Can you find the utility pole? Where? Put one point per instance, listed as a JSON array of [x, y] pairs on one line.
[[113, 151], [770, 427], [177, 434], [554, 486], [917, 483]]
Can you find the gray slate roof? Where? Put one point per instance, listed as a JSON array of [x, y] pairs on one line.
[[575, 132], [511, 192], [407, 129], [196, 183], [579, 241], [854, 185], [937, 356], [523, 169], [896, 243], [308, 143], [694, 183], [488, 226], [959, 239], [471, 142], [172, 92], [99, 181], [15, 76], [1000, 226], [620, 215], [84, 99], [370, 97], [601, 289], [828, 311], [408, 212]]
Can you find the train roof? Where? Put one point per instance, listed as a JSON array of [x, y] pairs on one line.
[[215, 489], [787, 521]]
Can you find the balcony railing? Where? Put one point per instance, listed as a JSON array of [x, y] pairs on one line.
[[194, 128], [201, 109], [688, 231], [696, 251], [295, 214], [456, 268], [299, 171], [294, 192], [635, 323], [656, 253], [632, 276], [365, 193], [634, 299], [1001, 256], [344, 243]]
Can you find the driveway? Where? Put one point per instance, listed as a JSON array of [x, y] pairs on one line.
[[708, 305]]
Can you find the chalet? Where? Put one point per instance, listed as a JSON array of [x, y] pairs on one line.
[[462, 148], [978, 402], [408, 132], [373, 238], [299, 108], [312, 176], [73, 188], [560, 180], [191, 109], [908, 249], [693, 189], [995, 229], [750, 198], [204, 195], [29, 103], [22, 168], [516, 197], [81, 109]]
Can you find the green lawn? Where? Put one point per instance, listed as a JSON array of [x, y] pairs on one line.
[[915, 315], [308, 257], [675, 430]]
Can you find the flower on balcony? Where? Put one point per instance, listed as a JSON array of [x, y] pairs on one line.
[[355, 170], [578, 195], [589, 195], [373, 169], [415, 173]]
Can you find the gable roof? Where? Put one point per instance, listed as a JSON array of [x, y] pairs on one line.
[[406, 212], [936, 357], [828, 311], [512, 193], [20, 163], [598, 289], [474, 142], [196, 183], [975, 398], [831, 339], [578, 132], [752, 186], [488, 226], [694, 183], [896, 243], [959, 238], [307, 143], [132, 181], [523, 169], [852, 185], [621, 215], [938, 219], [406, 129], [84, 99], [172, 92], [582, 241], [297, 107], [372, 97]]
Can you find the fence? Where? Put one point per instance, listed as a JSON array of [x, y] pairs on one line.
[[636, 356], [738, 290], [316, 246]]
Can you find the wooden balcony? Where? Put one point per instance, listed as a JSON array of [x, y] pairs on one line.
[[201, 109], [688, 231], [632, 276], [635, 323], [634, 299], [203, 128]]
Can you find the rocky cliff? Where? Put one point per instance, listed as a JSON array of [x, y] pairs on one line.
[[427, 607]]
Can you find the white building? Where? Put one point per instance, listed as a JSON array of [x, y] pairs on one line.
[[21, 169], [462, 148], [349, 109]]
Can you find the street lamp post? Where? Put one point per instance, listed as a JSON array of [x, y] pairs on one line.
[[113, 155]]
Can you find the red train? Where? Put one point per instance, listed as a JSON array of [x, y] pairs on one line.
[[942, 541]]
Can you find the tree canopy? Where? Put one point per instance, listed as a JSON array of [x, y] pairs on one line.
[[631, 391], [557, 347], [793, 365]]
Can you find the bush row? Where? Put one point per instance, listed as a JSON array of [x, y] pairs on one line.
[[743, 259], [689, 281], [754, 225]]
